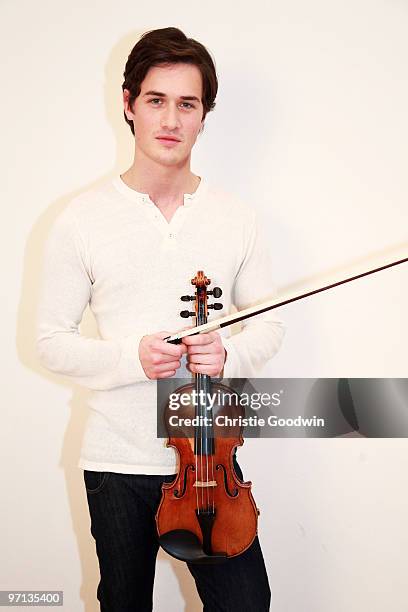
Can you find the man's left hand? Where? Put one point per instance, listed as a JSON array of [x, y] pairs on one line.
[[205, 354]]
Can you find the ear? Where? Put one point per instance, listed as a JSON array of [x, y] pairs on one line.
[[127, 109]]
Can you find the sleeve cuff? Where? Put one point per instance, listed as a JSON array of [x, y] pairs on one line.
[[130, 368], [232, 364]]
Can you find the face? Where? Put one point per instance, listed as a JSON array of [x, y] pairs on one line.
[[169, 104]]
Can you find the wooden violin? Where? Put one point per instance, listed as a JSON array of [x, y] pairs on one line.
[[207, 513]]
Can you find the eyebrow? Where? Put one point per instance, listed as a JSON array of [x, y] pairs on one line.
[[163, 95]]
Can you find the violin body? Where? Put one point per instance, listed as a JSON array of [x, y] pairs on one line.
[[207, 498]]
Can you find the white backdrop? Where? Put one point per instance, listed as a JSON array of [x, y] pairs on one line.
[[310, 127]]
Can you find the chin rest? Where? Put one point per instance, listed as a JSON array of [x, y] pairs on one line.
[[185, 546]]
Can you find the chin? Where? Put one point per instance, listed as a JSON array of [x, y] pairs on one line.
[[171, 160]]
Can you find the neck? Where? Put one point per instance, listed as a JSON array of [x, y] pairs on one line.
[[165, 185]]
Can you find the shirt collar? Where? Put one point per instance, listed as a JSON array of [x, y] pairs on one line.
[[143, 198]]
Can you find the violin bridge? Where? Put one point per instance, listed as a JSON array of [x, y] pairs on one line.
[[205, 483]]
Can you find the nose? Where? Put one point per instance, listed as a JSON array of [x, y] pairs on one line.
[[170, 117]]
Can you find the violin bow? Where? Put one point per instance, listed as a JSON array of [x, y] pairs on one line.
[[269, 305]]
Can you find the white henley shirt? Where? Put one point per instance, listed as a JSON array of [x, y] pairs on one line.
[[112, 248]]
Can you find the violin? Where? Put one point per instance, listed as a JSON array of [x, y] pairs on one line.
[[207, 514]]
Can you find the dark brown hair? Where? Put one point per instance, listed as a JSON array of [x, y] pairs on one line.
[[169, 46]]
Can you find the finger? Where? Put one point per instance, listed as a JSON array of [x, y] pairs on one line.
[[166, 374], [166, 348], [201, 349], [199, 339], [201, 359], [203, 369], [164, 367], [159, 358], [162, 334]]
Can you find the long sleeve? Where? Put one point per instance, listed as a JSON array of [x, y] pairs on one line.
[[261, 336], [65, 292]]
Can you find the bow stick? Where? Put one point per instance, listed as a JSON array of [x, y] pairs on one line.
[[269, 305]]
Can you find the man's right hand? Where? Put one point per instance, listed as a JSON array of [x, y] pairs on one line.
[[160, 359]]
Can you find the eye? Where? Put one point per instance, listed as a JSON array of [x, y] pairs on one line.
[[187, 107]]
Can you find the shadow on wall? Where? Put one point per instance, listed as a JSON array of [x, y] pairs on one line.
[[26, 337]]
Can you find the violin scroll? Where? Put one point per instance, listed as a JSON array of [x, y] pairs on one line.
[[201, 282]]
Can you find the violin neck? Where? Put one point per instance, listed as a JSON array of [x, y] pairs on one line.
[[204, 435]]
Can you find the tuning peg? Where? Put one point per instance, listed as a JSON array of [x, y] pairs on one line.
[[216, 292], [186, 313], [216, 306], [187, 298]]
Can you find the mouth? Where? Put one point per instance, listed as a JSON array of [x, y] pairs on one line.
[[171, 138], [168, 141]]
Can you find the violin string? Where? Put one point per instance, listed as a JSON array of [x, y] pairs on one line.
[[212, 468], [203, 383], [212, 492], [203, 412], [197, 464], [202, 451], [207, 442], [195, 454], [201, 447], [203, 406]]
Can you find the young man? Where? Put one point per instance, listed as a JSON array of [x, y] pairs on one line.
[[129, 248]]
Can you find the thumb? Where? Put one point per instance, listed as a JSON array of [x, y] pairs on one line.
[[162, 334]]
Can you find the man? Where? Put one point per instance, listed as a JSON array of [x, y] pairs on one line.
[[129, 248]]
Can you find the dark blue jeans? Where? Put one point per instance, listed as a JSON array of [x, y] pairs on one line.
[[122, 508]]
